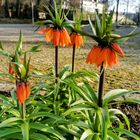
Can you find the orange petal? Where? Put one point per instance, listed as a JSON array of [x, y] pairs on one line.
[[21, 92], [11, 71], [27, 87], [117, 48], [56, 37], [61, 41], [102, 55], [43, 31], [72, 38], [49, 35], [66, 37], [93, 55]]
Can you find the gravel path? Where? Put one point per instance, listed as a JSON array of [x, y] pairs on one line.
[[10, 32]]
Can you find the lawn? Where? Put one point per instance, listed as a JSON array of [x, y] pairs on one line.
[[127, 72]]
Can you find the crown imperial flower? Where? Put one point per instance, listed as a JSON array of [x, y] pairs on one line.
[[22, 91], [108, 56], [76, 39]]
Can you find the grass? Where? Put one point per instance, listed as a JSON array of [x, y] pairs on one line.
[[124, 75]]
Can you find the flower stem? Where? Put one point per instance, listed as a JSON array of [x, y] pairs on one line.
[[56, 63], [23, 110], [101, 86], [73, 57]]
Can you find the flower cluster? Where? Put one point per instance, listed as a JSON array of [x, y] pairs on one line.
[[56, 36], [106, 56], [76, 39]]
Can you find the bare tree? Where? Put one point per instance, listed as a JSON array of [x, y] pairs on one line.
[[17, 8], [117, 7], [6, 7]]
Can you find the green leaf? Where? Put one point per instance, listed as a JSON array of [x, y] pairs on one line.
[[6, 54], [86, 134], [69, 130], [46, 128], [109, 23], [90, 92], [13, 111], [103, 21], [14, 97], [113, 94], [28, 66], [78, 108], [83, 94], [113, 135], [57, 16], [1, 46], [19, 46], [98, 27], [10, 121], [13, 136], [126, 37], [5, 100], [22, 70], [135, 101], [118, 112], [104, 123], [64, 73], [38, 136], [25, 130], [45, 114], [34, 49], [128, 133], [7, 131]]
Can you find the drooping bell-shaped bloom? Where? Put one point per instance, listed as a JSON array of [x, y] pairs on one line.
[[107, 56], [77, 40], [59, 37], [22, 91]]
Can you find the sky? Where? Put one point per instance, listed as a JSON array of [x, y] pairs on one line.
[[132, 5]]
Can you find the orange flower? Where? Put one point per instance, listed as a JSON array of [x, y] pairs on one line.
[[22, 91], [56, 36], [76, 40], [105, 56]]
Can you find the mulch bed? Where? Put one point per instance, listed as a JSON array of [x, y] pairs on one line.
[[132, 111]]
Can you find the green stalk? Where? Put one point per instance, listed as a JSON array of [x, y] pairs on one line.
[[73, 57], [96, 127], [101, 86], [23, 111], [25, 130], [56, 63]]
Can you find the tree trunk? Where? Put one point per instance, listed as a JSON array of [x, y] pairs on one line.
[[127, 12], [117, 10], [6, 8], [37, 11], [81, 6], [17, 8]]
